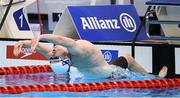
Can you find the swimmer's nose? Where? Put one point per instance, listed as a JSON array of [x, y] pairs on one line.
[[53, 52]]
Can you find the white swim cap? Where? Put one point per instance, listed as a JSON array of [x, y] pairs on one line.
[[60, 66]]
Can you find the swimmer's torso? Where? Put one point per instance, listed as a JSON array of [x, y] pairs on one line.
[[89, 61], [86, 58]]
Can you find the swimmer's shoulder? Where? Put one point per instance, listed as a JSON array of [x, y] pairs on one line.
[[86, 44], [83, 42]]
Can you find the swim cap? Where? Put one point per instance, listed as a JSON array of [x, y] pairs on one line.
[[60, 66]]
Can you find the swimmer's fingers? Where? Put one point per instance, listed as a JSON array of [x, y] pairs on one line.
[[15, 51], [20, 45], [17, 48]]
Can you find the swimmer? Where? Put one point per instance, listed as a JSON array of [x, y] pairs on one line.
[[83, 55]]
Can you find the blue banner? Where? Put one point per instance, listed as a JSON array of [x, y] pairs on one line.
[[106, 23]]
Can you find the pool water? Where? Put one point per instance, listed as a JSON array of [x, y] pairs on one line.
[[51, 78]]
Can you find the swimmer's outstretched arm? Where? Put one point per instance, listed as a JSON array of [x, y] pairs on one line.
[[43, 49], [56, 39]]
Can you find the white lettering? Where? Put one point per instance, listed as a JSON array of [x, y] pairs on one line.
[[103, 24], [26, 52], [89, 19], [95, 23], [116, 24], [109, 24], [98, 25], [85, 23]]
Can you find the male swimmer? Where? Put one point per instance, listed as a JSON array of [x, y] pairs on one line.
[[83, 55]]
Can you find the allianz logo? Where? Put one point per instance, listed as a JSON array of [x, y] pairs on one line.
[[94, 23]]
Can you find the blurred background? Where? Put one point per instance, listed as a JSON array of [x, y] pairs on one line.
[[51, 10]]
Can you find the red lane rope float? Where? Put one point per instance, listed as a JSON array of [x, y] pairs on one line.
[[95, 86], [25, 69]]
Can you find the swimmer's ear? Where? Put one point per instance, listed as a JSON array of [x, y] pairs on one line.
[[65, 53]]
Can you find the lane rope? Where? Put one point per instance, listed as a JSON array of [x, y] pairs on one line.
[[95, 86], [25, 69], [78, 87]]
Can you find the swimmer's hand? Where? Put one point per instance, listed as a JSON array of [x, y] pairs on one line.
[[17, 48]]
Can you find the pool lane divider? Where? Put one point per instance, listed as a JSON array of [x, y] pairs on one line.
[[25, 69], [81, 87], [95, 86]]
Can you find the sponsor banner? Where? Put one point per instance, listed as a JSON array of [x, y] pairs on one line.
[[25, 54], [110, 54], [106, 23]]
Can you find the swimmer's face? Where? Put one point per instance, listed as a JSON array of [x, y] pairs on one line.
[[59, 51]]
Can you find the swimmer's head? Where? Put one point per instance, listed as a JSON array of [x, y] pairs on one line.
[[59, 51]]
